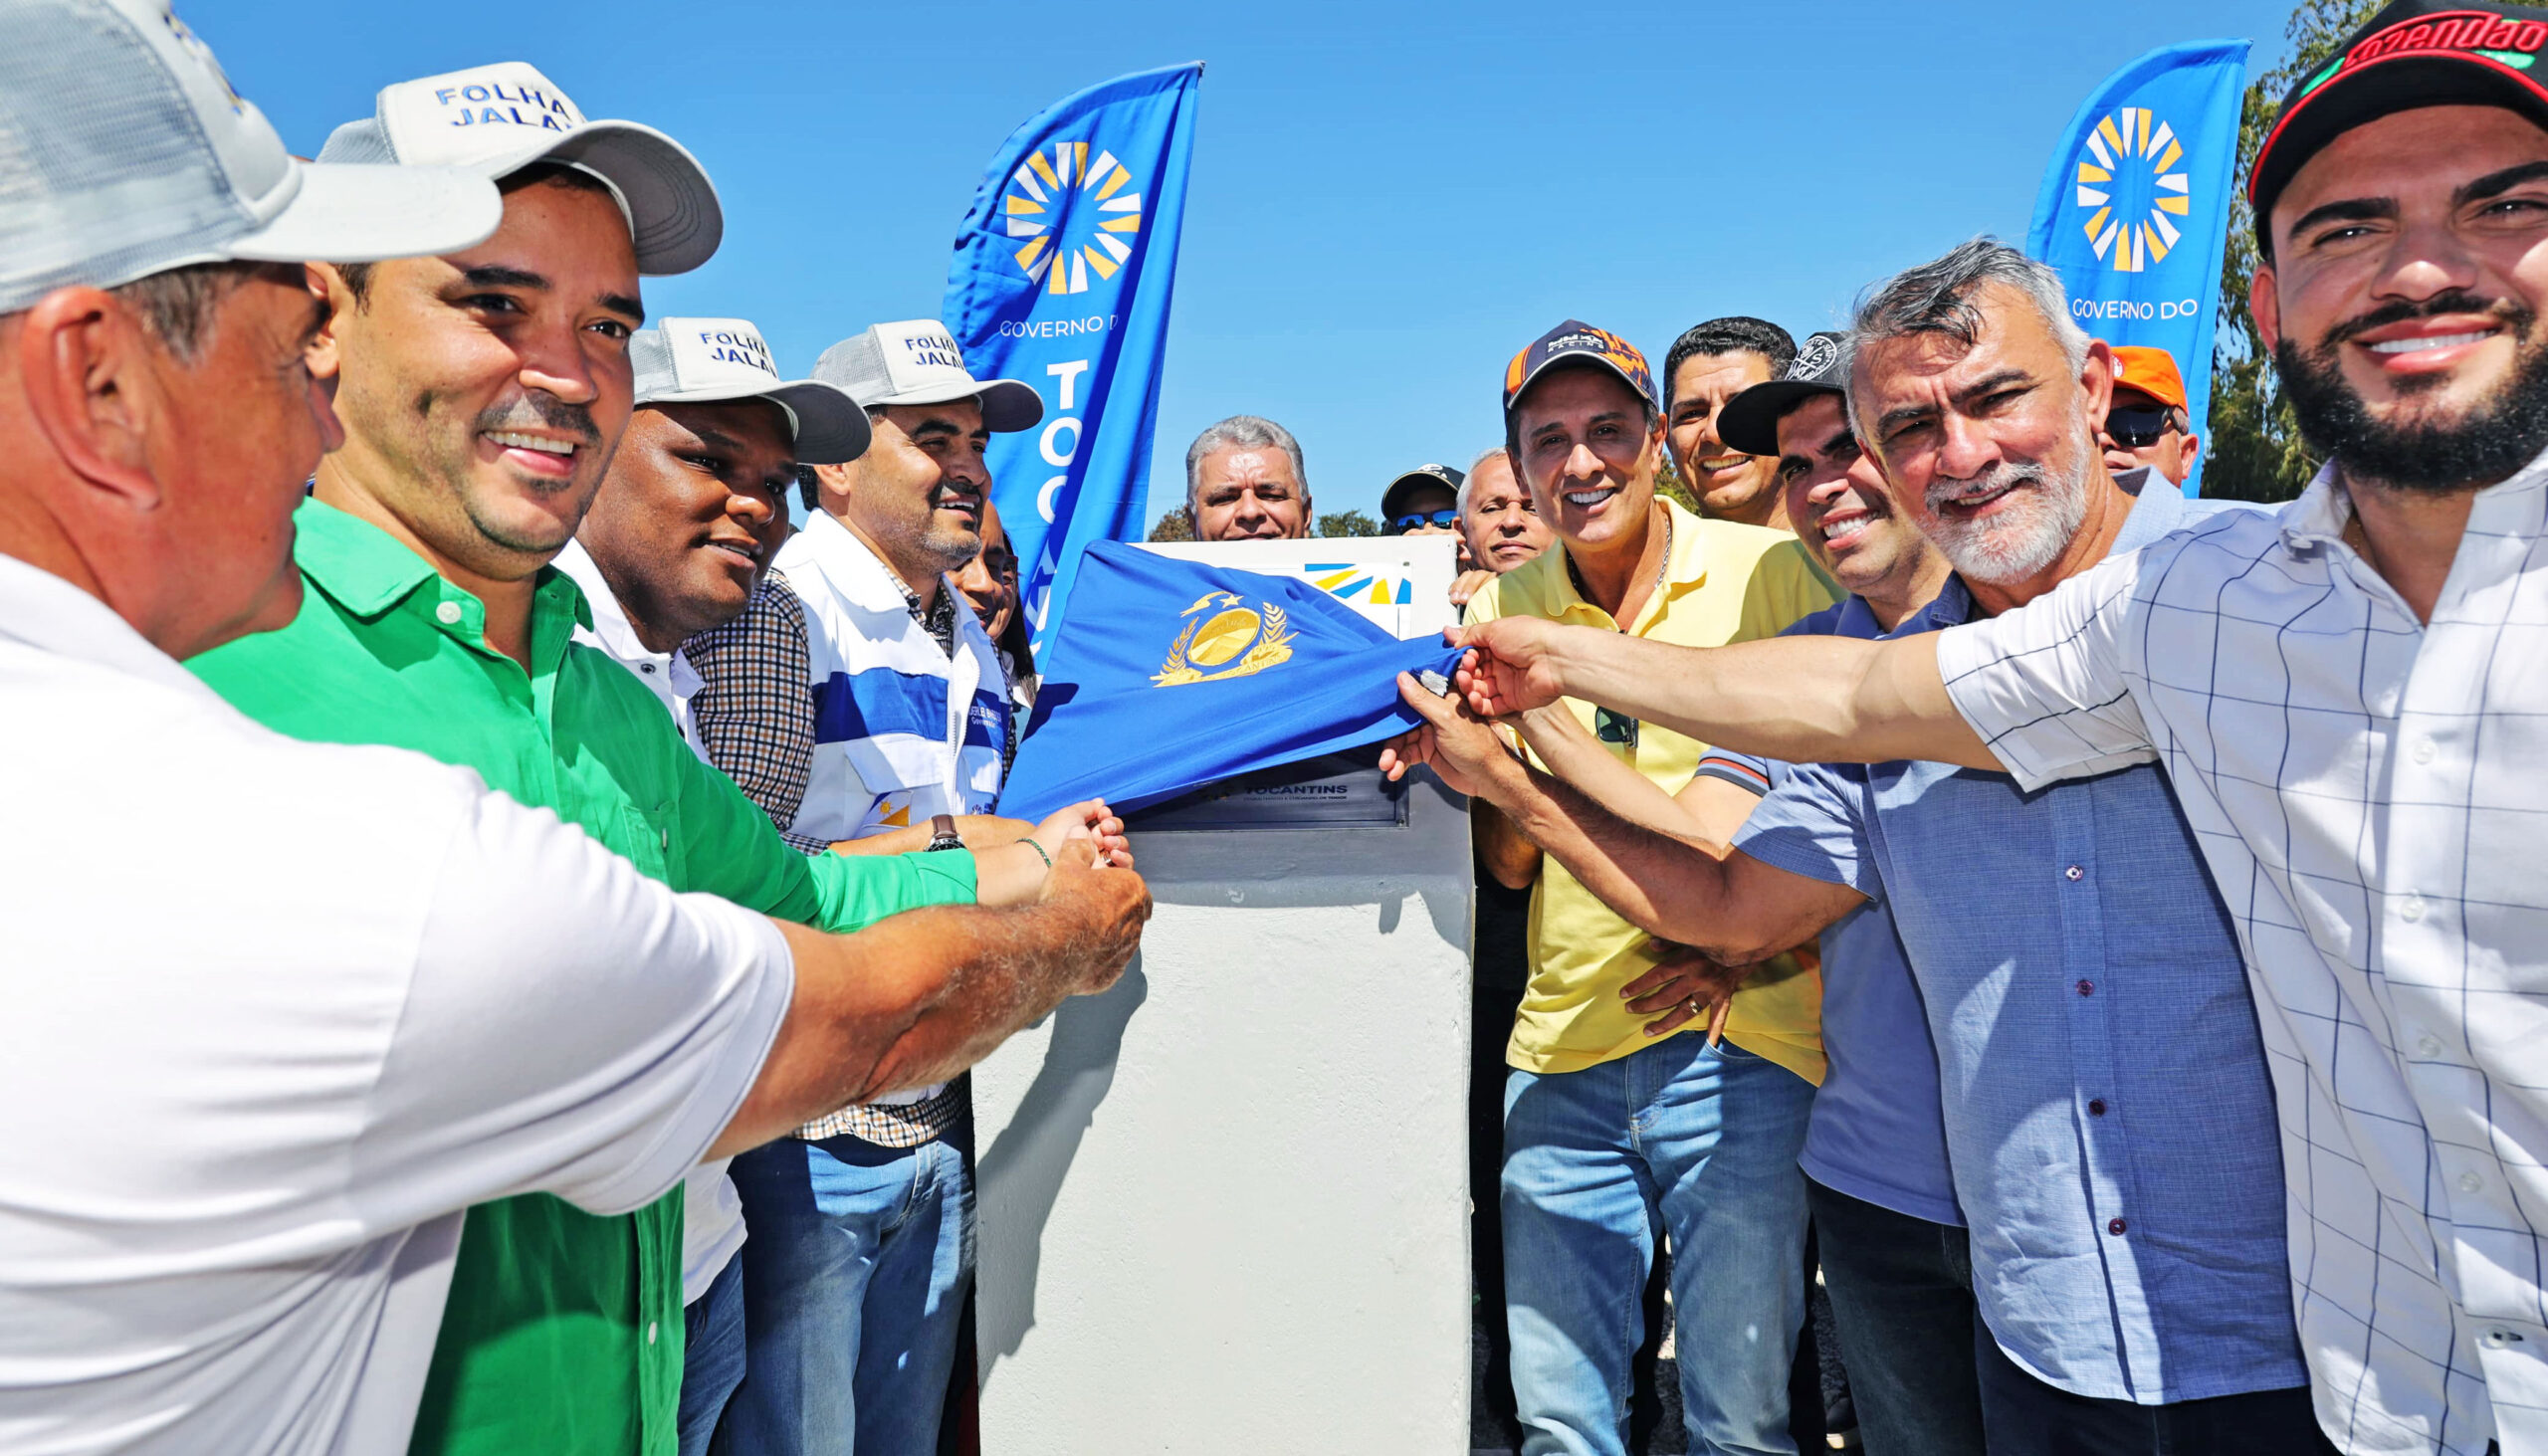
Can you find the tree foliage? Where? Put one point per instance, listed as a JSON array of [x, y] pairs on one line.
[[2256, 452], [1347, 522], [1668, 482], [1174, 526]]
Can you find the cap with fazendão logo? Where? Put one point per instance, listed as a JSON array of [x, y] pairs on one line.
[[497, 120], [1750, 420], [2153, 371], [714, 360], [2413, 54], [1423, 475], [124, 152], [1574, 342], [916, 361]]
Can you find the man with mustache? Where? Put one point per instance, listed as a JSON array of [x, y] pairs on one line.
[[676, 541], [1708, 365], [1245, 481], [482, 393], [1892, 1239], [2078, 971], [2147, 424], [860, 1250]]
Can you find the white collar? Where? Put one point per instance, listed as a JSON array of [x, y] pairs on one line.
[[51, 615], [855, 569], [612, 631], [2317, 519]]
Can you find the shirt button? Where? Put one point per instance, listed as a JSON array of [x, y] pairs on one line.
[[448, 614], [2470, 1183], [2088, 989], [2499, 1339], [2074, 873], [2428, 1046], [2423, 750], [645, 667], [2413, 910], [2115, 1226], [2096, 1107], [650, 1332]]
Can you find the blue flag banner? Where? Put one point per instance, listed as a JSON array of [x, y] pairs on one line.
[[1062, 277], [2135, 208], [1176, 673]]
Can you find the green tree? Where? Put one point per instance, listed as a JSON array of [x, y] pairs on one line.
[[1347, 522], [1668, 482], [2256, 452], [1174, 526]]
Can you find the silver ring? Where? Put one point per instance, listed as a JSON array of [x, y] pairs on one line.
[[1693, 1005]]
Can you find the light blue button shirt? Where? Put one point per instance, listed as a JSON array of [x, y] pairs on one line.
[[2107, 1109], [1877, 1133]]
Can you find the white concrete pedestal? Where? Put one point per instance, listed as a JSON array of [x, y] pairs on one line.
[[1224, 1207]]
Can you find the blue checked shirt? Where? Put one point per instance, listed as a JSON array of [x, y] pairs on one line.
[[2109, 1114]]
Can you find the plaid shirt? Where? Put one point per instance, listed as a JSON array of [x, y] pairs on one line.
[[755, 717]]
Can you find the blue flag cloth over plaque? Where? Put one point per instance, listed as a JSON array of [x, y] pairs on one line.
[[1176, 673], [1062, 277], [2135, 208]]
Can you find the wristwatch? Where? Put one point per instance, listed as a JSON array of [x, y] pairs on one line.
[[942, 832]]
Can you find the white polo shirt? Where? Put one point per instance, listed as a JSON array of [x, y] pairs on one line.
[[276, 1014], [711, 1212], [2370, 791]]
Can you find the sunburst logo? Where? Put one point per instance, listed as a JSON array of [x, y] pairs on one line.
[[2134, 187], [1051, 195]]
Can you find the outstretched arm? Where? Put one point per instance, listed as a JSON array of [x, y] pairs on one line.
[[919, 997], [1807, 700], [1736, 910]]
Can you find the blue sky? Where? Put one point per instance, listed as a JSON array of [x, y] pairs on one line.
[[1387, 200]]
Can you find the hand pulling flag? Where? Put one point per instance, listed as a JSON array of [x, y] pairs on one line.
[[2135, 209], [1062, 277], [1176, 673]]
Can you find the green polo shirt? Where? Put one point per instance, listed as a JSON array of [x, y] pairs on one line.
[[562, 1333]]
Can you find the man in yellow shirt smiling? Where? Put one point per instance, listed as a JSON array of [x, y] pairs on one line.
[[1617, 1125]]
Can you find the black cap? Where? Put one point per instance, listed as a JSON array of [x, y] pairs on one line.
[[2415, 53], [1422, 475], [1750, 421]]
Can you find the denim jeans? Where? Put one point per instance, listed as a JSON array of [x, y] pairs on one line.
[[711, 1357], [1679, 1139], [2026, 1417], [1902, 1296], [854, 1281]]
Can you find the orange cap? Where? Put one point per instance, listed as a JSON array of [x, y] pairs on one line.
[[2153, 371]]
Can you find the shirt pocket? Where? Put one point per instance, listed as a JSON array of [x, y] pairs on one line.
[[649, 842]]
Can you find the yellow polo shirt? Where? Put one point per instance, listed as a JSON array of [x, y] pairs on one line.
[[1724, 583]]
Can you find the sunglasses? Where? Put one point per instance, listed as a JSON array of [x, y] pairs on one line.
[[2140, 426], [1614, 727], [1417, 521]]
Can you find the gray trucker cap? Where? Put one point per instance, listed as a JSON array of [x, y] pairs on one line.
[[709, 360], [124, 152], [917, 361], [497, 120]]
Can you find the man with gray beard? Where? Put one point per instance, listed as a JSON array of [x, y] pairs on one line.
[[2080, 971]]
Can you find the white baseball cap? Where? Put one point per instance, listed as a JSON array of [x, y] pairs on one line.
[[124, 152], [916, 361], [707, 360], [497, 120]]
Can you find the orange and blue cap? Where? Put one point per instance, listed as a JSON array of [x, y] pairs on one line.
[[1577, 342]]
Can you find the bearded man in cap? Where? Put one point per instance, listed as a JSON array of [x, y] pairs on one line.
[[483, 392]]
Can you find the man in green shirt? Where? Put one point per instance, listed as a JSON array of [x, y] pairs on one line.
[[482, 393]]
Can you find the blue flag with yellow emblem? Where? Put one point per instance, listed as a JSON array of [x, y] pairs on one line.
[[2135, 208], [1176, 673], [1063, 273]]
